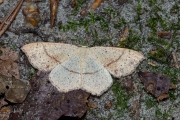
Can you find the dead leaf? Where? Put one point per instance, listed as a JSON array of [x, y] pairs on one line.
[[18, 91], [135, 110], [92, 105], [8, 66], [53, 11], [156, 84], [73, 3], [164, 34], [3, 102], [175, 60], [172, 86], [108, 105], [45, 101], [96, 4], [1, 1], [5, 112], [83, 12], [128, 84], [32, 15], [7, 53], [162, 96], [125, 33], [14, 90]]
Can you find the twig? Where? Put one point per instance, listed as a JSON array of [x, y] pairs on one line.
[[10, 17]]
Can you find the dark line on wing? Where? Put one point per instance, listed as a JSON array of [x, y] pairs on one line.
[[71, 70], [49, 55], [80, 73], [92, 72], [107, 65]]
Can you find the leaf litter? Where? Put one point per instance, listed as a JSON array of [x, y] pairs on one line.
[[12, 89], [156, 84], [45, 101], [31, 14], [8, 64]]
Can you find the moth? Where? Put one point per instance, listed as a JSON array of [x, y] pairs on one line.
[[85, 68]]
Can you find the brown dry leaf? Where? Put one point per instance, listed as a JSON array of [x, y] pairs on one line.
[[73, 3], [128, 84], [156, 84], [1, 1], [53, 11], [162, 96], [125, 33], [5, 112], [32, 15], [108, 105], [96, 4], [164, 34], [175, 60], [7, 53], [172, 86], [18, 91], [83, 12], [92, 105], [14, 90], [135, 110], [2, 102], [8, 66], [45, 101]]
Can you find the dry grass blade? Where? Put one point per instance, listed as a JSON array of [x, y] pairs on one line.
[[10, 17], [175, 60]]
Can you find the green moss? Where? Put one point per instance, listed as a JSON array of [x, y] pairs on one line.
[[32, 71], [152, 23], [86, 22], [150, 101], [79, 3], [120, 23], [175, 8], [98, 41], [110, 11], [139, 12], [122, 98], [160, 55], [162, 115], [152, 2], [132, 42], [158, 41]]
